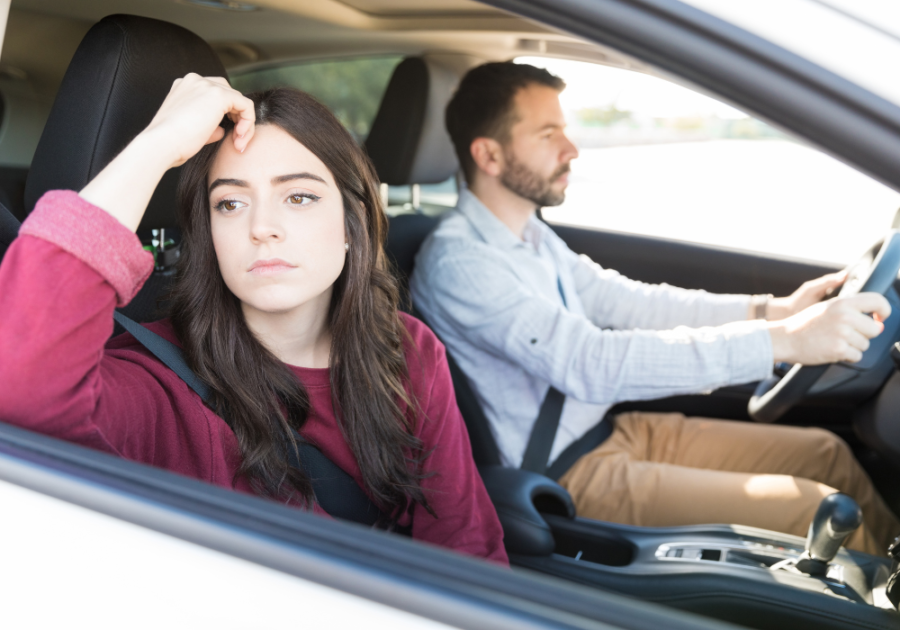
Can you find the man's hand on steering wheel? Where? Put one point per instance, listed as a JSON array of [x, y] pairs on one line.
[[809, 293], [828, 332]]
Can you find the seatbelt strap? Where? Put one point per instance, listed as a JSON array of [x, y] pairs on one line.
[[167, 352], [543, 432], [580, 447], [336, 491]]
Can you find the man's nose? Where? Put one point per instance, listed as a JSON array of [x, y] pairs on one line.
[[570, 151]]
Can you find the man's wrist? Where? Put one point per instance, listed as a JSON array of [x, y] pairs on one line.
[[782, 343], [760, 306]]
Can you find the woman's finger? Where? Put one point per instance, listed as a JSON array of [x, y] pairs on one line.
[[242, 127], [217, 135]]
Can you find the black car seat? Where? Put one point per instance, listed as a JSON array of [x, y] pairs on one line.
[[119, 76], [409, 145], [9, 229]]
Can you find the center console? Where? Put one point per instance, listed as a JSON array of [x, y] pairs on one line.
[[752, 577]]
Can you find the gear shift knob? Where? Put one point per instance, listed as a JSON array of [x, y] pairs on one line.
[[838, 516]]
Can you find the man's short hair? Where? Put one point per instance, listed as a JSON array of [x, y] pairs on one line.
[[483, 105]]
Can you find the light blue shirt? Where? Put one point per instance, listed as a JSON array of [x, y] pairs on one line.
[[494, 300]]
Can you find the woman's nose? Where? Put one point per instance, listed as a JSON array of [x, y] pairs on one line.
[[265, 225]]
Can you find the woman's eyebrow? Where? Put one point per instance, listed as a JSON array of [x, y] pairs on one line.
[[227, 182], [240, 183], [286, 178]]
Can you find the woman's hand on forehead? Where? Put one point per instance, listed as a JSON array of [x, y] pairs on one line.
[[189, 117], [187, 120]]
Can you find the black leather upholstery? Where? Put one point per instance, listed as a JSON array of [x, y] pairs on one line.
[[9, 229], [119, 76], [484, 448], [520, 496], [408, 143], [405, 235], [395, 132]]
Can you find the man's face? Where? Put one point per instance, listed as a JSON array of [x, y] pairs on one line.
[[538, 153]]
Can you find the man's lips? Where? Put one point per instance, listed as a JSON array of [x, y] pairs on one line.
[[270, 266]]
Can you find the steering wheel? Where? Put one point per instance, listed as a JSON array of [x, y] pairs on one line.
[[875, 272]]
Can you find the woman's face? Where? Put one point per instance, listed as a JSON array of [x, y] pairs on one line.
[[277, 221]]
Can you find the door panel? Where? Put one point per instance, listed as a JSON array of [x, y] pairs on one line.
[[690, 265]]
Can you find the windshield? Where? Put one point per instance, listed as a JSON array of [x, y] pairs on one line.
[[857, 39]]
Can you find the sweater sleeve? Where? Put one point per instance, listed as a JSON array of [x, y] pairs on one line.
[[466, 519], [59, 283]]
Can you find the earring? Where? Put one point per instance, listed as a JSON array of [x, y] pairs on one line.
[[347, 247]]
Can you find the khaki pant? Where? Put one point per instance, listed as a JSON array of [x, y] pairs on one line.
[[664, 469]]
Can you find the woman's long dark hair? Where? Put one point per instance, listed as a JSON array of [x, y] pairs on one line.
[[257, 393]]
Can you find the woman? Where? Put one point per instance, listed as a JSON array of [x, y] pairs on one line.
[[282, 303]]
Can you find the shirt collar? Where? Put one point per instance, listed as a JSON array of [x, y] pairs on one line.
[[492, 229]]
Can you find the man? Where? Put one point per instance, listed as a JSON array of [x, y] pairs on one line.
[[521, 313]]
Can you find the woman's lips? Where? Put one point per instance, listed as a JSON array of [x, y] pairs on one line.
[[270, 267]]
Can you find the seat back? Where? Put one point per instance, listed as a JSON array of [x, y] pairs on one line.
[[120, 74], [409, 145], [407, 142], [9, 229]]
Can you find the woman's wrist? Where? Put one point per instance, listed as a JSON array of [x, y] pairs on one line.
[[124, 187]]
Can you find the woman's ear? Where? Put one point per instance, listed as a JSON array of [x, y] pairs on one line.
[[488, 156]]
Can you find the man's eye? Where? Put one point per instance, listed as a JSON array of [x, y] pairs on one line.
[[303, 199]]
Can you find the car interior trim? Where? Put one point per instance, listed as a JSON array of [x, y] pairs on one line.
[[422, 580]]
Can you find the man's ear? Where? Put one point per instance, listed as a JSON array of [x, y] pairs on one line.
[[488, 156]]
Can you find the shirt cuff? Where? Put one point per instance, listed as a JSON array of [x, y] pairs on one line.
[[749, 350], [94, 237]]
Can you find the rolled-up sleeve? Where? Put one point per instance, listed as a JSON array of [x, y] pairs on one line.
[[478, 293]]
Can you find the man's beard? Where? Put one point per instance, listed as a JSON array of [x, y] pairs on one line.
[[529, 185]]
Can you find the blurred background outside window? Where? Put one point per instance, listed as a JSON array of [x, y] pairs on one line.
[[661, 160]]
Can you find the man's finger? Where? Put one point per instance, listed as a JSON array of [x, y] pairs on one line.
[[870, 303], [835, 279], [852, 355], [865, 325], [856, 340]]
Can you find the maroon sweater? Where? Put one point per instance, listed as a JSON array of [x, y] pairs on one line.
[[59, 283]]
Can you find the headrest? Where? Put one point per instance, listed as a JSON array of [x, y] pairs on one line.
[[408, 143], [119, 76]]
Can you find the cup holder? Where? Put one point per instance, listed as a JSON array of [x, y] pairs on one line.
[[599, 547]]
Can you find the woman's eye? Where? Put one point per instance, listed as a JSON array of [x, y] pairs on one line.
[[302, 199], [228, 205]]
